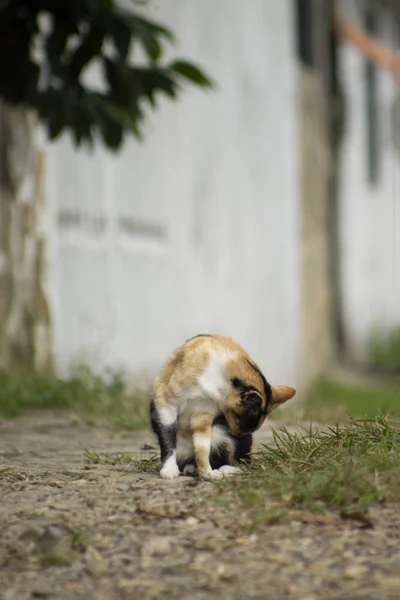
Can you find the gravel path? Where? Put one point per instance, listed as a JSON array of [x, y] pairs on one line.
[[77, 531]]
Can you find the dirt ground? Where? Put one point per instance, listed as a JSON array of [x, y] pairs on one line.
[[73, 530]]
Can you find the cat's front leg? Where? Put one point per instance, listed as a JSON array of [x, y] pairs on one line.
[[200, 426], [163, 422]]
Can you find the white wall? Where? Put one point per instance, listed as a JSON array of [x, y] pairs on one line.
[[213, 195], [370, 215]]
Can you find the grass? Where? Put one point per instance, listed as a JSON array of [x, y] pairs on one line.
[[345, 468], [97, 398], [95, 458], [331, 401], [151, 464], [384, 354]]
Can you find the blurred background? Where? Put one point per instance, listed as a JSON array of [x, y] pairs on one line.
[[169, 168]]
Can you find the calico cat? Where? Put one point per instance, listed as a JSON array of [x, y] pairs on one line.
[[209, 398]]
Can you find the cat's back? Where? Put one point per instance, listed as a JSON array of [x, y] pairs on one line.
[[201, 358]]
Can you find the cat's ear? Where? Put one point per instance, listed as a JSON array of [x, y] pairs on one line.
[[282, 393]]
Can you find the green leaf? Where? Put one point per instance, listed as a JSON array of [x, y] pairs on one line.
[[62, 101], [149, 34], [111, 132], [96, 6], [117, 75], [55, 45], [153, 47], [151, 81], [87, 50], [127, 119], [190, 72], [139, 24], [120, 33]]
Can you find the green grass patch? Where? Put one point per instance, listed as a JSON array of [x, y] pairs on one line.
[[149, 465], [384, 353], [96, 397], [331, 401], [105, 458], [345, 468]]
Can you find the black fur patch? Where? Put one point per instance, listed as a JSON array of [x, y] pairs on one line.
[[243, 448], [252, 403], [267, 387], [221, 421], [242, 386], [166, 435], [252, 413]]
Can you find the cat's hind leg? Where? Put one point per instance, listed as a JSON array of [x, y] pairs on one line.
[[200, 426], [190, 469], [243, 449], [163, 422], [242, 455]]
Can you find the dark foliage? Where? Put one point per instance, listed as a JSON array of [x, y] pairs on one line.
[[46, 46]]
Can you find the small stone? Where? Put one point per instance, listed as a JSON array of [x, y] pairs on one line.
[[355, 571], [96, 565], [50, 539], [192, 521], [54, 547], [246, 540], [156, 546], [31, 534], [124, 487], [9, 594]]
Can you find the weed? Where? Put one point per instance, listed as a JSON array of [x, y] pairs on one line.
[[384, 354], [145, 465], [80, 541], [344, 468], [96, 397], [330, 401], [93, 457], [5, 472], [151, 464]]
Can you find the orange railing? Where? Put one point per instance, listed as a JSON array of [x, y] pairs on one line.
[[371, 47]]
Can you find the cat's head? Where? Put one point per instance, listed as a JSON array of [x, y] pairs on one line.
[[246, 408]]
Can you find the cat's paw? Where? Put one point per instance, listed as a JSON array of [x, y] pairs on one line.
[[214, 474], [229, 470], [169, 471], [190, 470]]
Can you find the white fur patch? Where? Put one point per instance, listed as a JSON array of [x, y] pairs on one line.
[[202, 441], [219, 437], [212, 474], [214, 382], [170, 469], [167, 415]]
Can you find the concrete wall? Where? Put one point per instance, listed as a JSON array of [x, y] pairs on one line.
[[369, 214], [197, 229]]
